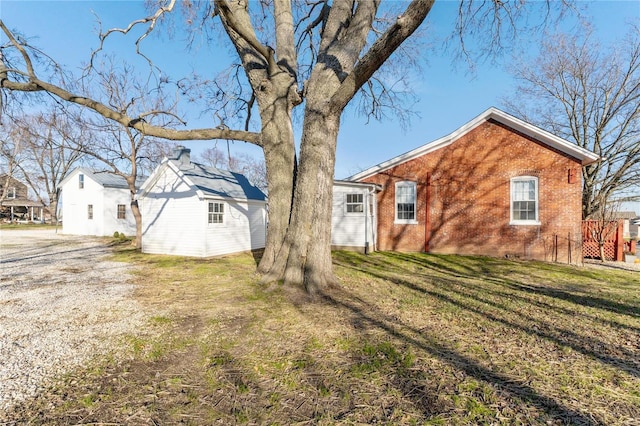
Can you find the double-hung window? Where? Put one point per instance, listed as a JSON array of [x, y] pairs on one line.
[[90, 211], [524, 200], [11, 193], [216, 212], [81, 181], [122, 210], [405, 202], [354, 203]]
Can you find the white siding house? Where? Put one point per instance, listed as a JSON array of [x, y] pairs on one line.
[[354, 216], [96, 203], [192, 210]]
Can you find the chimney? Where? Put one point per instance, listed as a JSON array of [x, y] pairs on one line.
[[182, 155]]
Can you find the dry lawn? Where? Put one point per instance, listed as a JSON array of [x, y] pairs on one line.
[[406, 339]]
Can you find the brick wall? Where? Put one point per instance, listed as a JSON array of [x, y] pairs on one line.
[[469, 198]]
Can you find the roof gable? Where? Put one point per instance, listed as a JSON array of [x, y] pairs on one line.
[[546, 138]]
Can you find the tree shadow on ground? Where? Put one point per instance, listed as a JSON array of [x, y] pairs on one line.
[[473, 286]]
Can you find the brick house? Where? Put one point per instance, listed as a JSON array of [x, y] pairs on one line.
[[496, 186]]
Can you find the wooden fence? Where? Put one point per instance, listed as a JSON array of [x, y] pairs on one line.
[[610, 232]]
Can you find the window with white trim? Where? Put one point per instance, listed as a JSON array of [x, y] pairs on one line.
[[11, 193], [524, 200], [122, 211], [354, 203], [405, 202], [90, 211], [80, 181], [216, 212]]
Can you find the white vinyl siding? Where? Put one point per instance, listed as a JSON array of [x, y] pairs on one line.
[[105, 203], [244, 229], [352, 228], [524, 200], [406, 202], [176, 221], [170, 223]]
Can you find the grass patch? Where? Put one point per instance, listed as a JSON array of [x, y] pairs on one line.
[[405, 339], [30, 225]]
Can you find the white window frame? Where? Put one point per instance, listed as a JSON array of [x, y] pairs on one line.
[[89, 211], [11, 193], [80, 181], [413, 186], [352, 203], [536, 200], [220, 213]]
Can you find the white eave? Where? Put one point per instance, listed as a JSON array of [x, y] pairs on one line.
[[371, 186], [584, 156]]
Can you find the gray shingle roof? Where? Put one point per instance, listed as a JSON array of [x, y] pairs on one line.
[[221, 183], [104, 178], [110, 180], [625, 215]]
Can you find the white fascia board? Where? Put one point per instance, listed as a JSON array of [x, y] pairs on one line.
[[151, 180], [237, 200], [76, 171], [585, 156], [155, 175], [419, 151], [372, 186]]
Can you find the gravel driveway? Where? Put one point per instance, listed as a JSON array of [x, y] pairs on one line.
[[61, 302]]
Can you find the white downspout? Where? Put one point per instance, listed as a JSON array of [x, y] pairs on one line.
[[374, 219], [365, 198]]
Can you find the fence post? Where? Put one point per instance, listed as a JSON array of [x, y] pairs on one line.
[[619, 256]]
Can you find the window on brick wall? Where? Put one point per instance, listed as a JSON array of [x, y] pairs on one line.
[[405, 202], [524, 200]]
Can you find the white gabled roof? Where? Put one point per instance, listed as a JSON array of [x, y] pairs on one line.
[[585, 156]]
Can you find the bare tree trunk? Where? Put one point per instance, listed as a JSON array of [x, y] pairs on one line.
[[305, 256], [135, 209], [279, 154], [53, 207]]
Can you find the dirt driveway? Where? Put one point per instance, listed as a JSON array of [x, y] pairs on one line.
[[61, 302]]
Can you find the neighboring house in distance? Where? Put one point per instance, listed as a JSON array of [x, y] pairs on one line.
[[634, 228], [15, 202], [192, 210], [629, 228], [96, 203], [354, 216], [496, 186]]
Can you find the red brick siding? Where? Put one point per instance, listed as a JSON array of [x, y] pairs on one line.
[[470, 196]]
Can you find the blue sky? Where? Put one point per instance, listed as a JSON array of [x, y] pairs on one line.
[[448, 96]]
